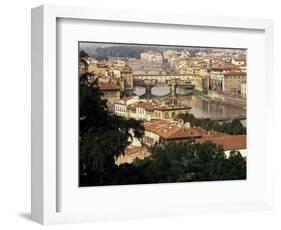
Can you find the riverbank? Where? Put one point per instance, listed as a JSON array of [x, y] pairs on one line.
[[226, 99]]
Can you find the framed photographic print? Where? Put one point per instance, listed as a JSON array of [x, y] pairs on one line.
[[138, 114]]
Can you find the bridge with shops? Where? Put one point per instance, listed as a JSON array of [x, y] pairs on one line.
[[182, 88], [165, 79]]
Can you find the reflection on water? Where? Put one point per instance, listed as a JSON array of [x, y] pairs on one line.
[[201, 108], [139, 91], [160, 90], [207, 108]]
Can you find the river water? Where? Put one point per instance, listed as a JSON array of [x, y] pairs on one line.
[[201, 107]]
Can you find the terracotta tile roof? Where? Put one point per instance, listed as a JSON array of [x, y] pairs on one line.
[[158, 124], [168, 129], [179, 133], [228, 142], [145, 105], [108, 87]]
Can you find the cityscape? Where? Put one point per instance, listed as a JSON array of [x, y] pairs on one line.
[[161, 114]]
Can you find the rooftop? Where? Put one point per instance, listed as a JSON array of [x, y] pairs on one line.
[[228, 142], [168, 129], [108, 87]]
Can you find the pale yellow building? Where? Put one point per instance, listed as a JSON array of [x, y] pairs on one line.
[[170, 112], [244, 89]]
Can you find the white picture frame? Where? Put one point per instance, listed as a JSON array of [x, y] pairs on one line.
[[45, 182]]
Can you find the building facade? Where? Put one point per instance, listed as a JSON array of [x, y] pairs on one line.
[[232, 82]]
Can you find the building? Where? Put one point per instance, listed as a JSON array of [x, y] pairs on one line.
[[151, 56], [223, 68], [100, 69], [239, 60], [162, 131], [170, 112], [132, 153], [142, 110], [127, 76], [244, 89], [132, 107], [159, 131], [232, 82], [228, 143], [111, 94], [216, 81], [171, 56], [121, 106]]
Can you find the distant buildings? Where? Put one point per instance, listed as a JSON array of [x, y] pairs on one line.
[[152, 56], [221, 71], [239, 60], [127, 77], [232, 83]]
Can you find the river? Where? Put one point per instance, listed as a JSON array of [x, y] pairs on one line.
[[201, 107]]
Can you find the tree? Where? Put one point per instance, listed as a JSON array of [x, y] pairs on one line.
[[186, 161], [103, 135], [233, 128], [83, 54]]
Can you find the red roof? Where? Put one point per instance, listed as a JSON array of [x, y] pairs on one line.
[[145, 105], [108, 87], [228, 142], [168, 129], [179, 133]]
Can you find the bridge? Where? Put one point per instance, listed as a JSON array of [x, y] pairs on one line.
[[183, 89], [167, 79]]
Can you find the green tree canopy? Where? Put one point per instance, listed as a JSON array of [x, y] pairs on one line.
[[103, 135]]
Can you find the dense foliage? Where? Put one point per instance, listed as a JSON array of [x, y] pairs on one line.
[[83, 54], [185, 161], [233, 128]]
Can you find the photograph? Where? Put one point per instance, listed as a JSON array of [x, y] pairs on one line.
[[156, 113]]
